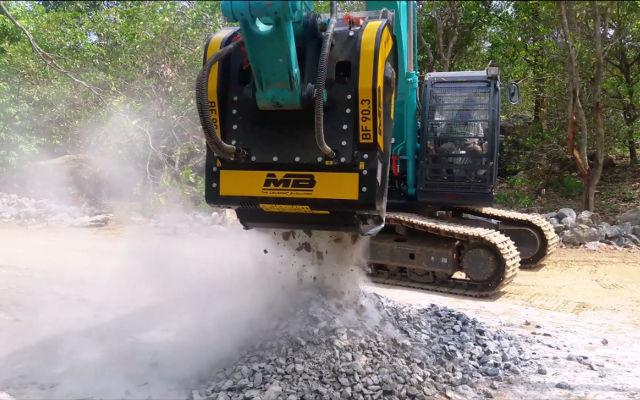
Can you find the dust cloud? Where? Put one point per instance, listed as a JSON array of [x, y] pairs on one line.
[[151, 314], [138, 311]]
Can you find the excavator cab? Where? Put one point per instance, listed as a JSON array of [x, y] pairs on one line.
[[460, 135], [297, 110]]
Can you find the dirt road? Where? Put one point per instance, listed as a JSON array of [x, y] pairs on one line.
[[563, 310]]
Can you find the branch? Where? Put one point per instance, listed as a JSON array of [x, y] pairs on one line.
[[46, 57], [191, 49], [428, 47]]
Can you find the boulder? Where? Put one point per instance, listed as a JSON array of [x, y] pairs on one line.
[[584, 233], [633, 238], [611, 232], [569, 238], [588, 218], [625, 228], [566, 212], [568, 222], [632, 217], [72, 179], [636, 230], [623, 241]]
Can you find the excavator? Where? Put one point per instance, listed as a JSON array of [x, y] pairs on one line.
[[316, 122]]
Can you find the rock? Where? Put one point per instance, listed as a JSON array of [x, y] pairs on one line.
[[492, 371], [634, 239], [28, 211], [636, 231], [585, 217], [568, 222], [611, 232], [631, 216], [542, 370], [408, 352], [605, 341], [273, 392], [625, 228], [623, 241], [570, 238], [584, 234], [595, 245], [257, 379], [566, 212], [80, 176], [558, 228], [571, 357], [564, 385]]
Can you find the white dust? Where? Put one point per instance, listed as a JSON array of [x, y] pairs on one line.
[[96, 315]]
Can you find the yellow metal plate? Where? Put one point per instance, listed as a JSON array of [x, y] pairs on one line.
[[212, 84], [288, 208], [307, 185], [365, 82], [386, 44]]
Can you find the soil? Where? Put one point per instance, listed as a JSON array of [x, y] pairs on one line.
[[564, 309]]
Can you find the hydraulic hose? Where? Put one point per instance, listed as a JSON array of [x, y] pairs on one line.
[[321, 79], [214, 142]]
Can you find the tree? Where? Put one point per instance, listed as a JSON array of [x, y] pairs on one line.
[[450, 31], [597, 16], [624, 61]]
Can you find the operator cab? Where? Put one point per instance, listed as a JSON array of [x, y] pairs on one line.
[[459, 137]]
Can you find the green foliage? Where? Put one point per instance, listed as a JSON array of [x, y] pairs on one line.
[[572, 187], [516, 181], [514, 199], [142, 58]]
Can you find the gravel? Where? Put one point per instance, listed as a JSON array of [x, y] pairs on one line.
[[28, 211], [372, 349]]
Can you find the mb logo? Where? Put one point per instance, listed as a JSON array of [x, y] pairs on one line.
[[300, 182]]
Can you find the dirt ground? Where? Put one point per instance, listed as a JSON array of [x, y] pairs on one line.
[[577, 298], [563, 309]]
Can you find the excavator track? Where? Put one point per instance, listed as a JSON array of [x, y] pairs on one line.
[[504, 248], [544, 229]]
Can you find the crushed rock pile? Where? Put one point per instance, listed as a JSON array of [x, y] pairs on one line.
[[377, 349], [28, 211], [588, 229]]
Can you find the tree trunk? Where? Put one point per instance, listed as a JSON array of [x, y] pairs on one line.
[[577, 116], [633, 153]]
